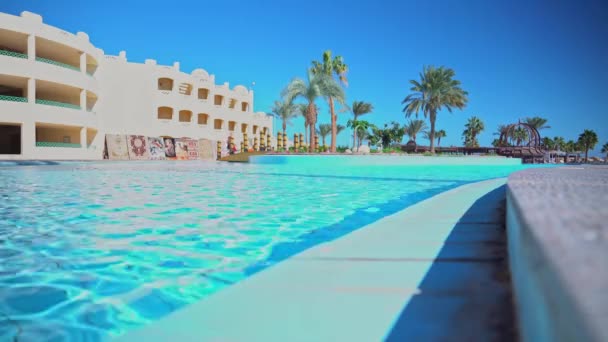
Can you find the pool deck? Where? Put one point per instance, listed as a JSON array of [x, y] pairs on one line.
[[435, 271]]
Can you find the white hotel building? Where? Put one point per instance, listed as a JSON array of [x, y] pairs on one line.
[[60, 96]]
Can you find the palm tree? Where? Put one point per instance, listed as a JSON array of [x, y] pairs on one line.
[[440, 134], [435, 90], [360, 108], [359, 127], [472, 128], [548, 143], [324, 130], [317, 86], [414, 127], [330, 67], [285, 111], [569, 147], [558, 143], [587, 141], [519, 135], [301, 109], [537, 122], [605, 150]]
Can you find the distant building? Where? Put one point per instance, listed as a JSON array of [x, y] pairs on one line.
[[60, 96]]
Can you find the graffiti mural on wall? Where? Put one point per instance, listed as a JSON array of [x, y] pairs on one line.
[[181, 149], [192, 149], [169, 148], [138, 147], [117, 147], [157, 148]]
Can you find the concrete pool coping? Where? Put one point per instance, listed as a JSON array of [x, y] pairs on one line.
[[558, 233], [432, 271]]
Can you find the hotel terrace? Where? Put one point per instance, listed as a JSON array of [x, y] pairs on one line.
[[60, 96]]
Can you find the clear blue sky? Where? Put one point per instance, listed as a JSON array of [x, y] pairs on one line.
[[516, 58]]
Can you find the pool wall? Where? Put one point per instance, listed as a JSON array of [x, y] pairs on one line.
[[366, 160]]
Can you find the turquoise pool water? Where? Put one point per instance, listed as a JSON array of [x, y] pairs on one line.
[[91, 250]]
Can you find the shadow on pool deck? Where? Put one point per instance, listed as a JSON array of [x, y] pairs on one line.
[[465, 299]]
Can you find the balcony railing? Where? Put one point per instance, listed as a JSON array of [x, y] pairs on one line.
[[56, 144], [57, 104], [63, 65], [13, 54], [13, 98]]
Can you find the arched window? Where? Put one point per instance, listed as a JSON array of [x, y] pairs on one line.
[[231, 126], [203, 93], [185, 116], [165, 83], [165, 113], [203, 118]]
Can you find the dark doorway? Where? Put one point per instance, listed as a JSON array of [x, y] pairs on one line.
[[10, 139]]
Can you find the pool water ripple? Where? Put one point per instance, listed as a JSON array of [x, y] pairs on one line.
[[95, 249]]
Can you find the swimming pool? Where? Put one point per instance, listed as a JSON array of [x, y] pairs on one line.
[[91, 250]]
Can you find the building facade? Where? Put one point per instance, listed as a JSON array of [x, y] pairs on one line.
[[60, 96]]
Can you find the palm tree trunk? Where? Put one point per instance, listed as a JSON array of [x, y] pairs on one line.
[[438, 141], [323, 138], [354, 132], [312, 124], [586, 155], [432, 117], [305, 134], [334, 127]]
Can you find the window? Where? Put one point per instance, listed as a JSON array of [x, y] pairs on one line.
[[244, 128], [185, 88], [232, 104], [244, 106], [218, 123], [231, 125], [185, 116], [165, 113], [255, 129], [202, 118], [203, 93], [165, 84], [218, 100]]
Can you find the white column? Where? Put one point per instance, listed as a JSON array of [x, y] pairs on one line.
[[31, 47], [83, 62], [28, 139], [83, 137], [31, 90], [83, 99]]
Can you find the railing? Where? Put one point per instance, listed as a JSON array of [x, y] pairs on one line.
[[63, 65], [13, 54], [57, 104], [56, 144], [13, 98]]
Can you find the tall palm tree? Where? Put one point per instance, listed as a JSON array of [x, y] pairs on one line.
[[414, 127], [605, 150], [472, 128], [537, 122], [587, 141], [360, 108], [436, 89], [330, 67], [440, 134], [285, 111], [301, 109], [316, 86], [324, 130]]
